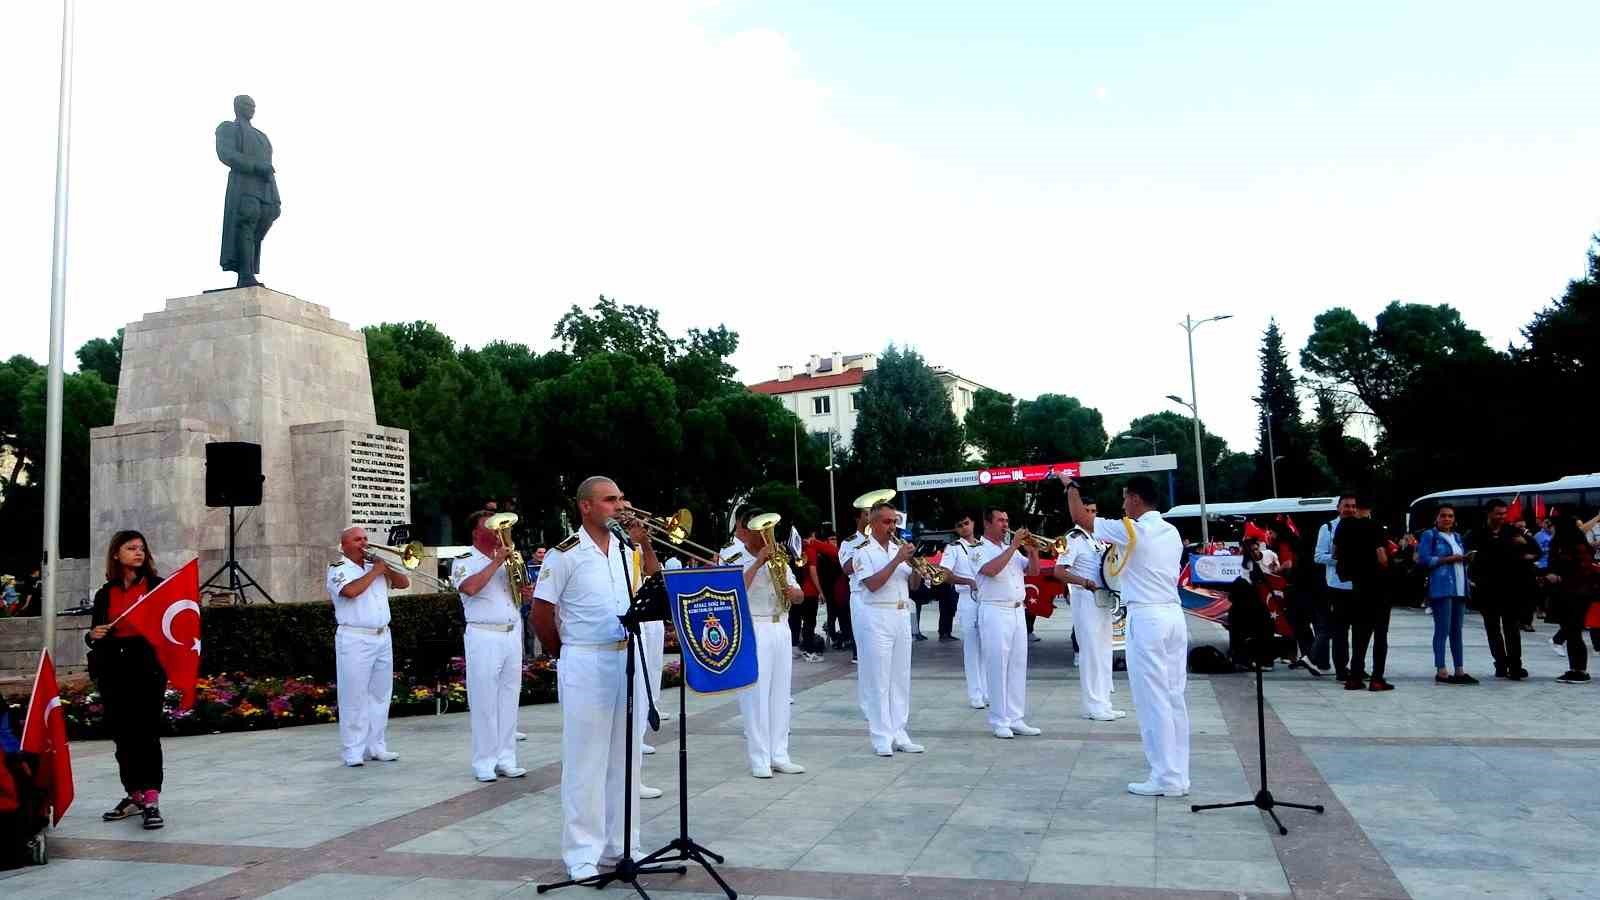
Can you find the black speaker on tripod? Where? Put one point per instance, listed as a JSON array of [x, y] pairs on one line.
[[234, 479]]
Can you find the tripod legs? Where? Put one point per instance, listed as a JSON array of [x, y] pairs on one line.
[[1263, 800]]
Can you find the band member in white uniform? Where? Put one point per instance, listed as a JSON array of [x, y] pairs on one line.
[[586, 583], [847, 552], [884, 578], [1158, 636], [359, 589], [764, 706], [1079, 569], [957, 558], [1001, 592], [493, 642]]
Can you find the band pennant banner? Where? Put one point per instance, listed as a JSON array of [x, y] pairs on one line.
[[715, 636]]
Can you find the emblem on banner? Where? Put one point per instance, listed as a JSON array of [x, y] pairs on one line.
[[713, 644]]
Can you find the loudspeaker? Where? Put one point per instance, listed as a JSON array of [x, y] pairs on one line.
[[233, 474]]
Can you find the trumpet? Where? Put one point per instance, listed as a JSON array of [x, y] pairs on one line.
[[673, 529], [1057, 546], [927, 571], [410, 558], [777, 559]]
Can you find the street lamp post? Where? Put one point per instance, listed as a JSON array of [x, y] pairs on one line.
[[1272, 457], [1189, 325], [1155, 449], [831, 520]]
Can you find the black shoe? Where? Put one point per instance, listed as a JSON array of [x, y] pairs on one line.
[[919, 637], [1444, 679], [152, 818], [1520, 674], [1500, 672], [1463, 678], [947, 637], [1573, 678], [125, 808], [1355, 684]]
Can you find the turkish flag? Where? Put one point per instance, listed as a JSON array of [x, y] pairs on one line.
[[45, 733], [1042, 593], [169, 618]]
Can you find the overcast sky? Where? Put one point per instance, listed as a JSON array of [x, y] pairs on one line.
[[1031, 194]]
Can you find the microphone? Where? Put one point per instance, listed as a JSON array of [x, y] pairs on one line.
[[616, 529]]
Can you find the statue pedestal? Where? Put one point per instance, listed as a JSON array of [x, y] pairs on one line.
[[248, 364]]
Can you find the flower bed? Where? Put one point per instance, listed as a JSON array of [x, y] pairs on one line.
[[240, 702]]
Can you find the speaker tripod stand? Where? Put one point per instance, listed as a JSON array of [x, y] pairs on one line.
[[238, 578], [1263, 800]]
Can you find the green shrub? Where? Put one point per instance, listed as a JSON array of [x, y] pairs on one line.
[[290, 639]]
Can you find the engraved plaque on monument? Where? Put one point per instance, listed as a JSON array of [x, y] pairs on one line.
[[380, 482]]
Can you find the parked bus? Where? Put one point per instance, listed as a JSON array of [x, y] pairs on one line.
[[1314, 510], [1580, 493]]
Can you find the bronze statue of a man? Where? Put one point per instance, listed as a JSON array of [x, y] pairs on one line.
[[252, 203]]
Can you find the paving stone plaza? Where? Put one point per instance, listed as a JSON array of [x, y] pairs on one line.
[[1432, 791]]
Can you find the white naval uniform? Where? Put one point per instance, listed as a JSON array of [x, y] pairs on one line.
[[590, 589], [1005, 634], [958, 559], [365, 661], [1091, 624], [847, 553], [883, 644], [764, 706], [1158, 643], [493, 642]]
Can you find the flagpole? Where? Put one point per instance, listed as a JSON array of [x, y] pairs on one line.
[[58, 315]]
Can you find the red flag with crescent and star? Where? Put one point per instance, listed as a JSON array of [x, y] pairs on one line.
[[169, 618], [45, 732]]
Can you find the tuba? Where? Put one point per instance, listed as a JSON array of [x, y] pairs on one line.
[[778, 560], [516, 571]]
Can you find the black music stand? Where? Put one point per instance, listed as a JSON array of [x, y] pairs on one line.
[[627, 871], [1263, 800]]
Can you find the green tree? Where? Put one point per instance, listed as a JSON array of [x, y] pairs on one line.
[[905, 424], [613, 328], [1559, 369], [102, 357], [991, 427], [1174, 433], [1278, 402]]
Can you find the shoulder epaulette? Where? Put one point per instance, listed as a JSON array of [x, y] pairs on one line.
[[465, 555], [569, 543], [335, 564], [736, 556], [859, 543]]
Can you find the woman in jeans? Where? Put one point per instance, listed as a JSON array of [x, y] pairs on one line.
[[1442, 555], [1571, 578], [131, 682]]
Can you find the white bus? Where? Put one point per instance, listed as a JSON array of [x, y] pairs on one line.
[[1579, 493]]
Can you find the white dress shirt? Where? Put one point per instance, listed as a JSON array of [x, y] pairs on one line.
[[1083, 559], [493, 604], [1151, 574], [762, 594], [871, 559], [1007, 587], [368, 609], [590, 589]]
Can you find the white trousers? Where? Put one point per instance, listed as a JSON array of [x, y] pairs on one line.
[[972, 649], [765, 705], [365, 669], [883, 637], [594, 750], [653, 637], [494, 685], [1158, 663], [859, 634], [1092, 625], [1005, 662]]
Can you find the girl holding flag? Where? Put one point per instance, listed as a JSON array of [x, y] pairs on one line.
[[129, 677]]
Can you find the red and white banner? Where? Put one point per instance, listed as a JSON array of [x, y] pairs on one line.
[[1023, 474], [159, 618]]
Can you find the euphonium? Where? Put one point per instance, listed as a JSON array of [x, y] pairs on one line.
[[516, 571], [777, 559]]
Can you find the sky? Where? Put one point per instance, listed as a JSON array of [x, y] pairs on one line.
[[1032, 194]]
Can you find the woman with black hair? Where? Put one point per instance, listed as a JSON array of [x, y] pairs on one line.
[[130, 679], [1571, 576]]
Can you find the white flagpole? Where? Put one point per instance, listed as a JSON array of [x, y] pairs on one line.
[[58, 316]]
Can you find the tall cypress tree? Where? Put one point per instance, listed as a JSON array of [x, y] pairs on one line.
[[1278, 402]]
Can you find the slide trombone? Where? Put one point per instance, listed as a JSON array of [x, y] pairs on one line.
[[673, 529], [410, 559]]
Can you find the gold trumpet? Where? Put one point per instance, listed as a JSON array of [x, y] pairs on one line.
[[673, 529], [410, 558], [1058, 546], [927, 571]]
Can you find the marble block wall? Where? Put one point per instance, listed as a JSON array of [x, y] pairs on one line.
[[248, 364]]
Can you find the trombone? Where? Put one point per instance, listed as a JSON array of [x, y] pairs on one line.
[[673, 529], [410, 559]]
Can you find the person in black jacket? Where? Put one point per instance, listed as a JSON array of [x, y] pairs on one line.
[[131, 681]]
